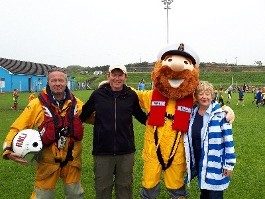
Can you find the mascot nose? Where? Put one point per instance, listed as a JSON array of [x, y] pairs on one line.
[[174, 64]]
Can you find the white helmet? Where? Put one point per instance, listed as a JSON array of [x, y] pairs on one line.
[[27, 142]]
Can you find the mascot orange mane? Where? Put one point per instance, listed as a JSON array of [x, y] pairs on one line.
[[175, 78]]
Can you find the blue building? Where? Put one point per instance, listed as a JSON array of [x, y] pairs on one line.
[[25, 76]]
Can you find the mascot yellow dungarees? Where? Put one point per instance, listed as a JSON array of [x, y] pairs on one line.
[[175, 78]]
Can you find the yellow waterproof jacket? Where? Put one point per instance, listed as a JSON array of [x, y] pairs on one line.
[[32, 117], [166, 135]]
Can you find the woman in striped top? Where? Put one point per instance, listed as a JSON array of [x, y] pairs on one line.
[[211, 142]]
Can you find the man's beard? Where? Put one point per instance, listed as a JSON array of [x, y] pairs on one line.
[[160, 79]]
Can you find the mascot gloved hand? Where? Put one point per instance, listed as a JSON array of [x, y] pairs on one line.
[[169, 104]]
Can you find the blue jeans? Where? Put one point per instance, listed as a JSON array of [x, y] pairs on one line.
[[209, 194]]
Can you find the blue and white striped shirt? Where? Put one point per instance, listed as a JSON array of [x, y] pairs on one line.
[[217, 147]]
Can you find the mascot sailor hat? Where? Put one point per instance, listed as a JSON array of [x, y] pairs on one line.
[[179, 49]]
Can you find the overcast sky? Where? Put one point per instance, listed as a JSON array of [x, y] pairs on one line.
[[106, 32]]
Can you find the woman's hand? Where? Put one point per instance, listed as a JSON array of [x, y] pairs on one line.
[[230, 115], [227, 173]]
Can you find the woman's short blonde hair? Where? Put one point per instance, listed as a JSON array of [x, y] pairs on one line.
[[204, 86]]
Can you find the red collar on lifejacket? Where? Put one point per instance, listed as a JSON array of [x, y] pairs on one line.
[[182, 111], [68, 95], [54, 125]]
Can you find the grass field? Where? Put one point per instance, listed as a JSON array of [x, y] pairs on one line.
[[16, 181]]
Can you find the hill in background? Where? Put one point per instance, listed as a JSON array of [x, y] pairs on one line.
[[221, 75]]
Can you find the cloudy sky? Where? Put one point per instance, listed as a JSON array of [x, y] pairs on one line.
[[106, 32]]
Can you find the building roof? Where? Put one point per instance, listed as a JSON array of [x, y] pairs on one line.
[[25, 67]]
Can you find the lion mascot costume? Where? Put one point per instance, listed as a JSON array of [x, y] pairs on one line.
[[175, 78]]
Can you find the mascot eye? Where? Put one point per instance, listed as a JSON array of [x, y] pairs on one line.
[[186, 62], [169, 60]]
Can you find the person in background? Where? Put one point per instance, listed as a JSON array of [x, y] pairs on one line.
[[244, 87], [56, 115], [254, 91], [229, 95], [258, 97], [220, 96], [263, 99], [114, 105], [240, 97], [31, 96], [211, 144], [141, 85], [15, 99], [215, 95]]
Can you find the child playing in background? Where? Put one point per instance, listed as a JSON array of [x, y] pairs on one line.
[[240, 97], [220, 97], [258, 97], [15, 99], [229, 96]]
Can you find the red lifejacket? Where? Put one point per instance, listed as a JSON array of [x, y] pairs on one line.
[[181, 116], [54, 125]]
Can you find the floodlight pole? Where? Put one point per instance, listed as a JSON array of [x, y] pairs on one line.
[[236, 60], [167, 4]]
